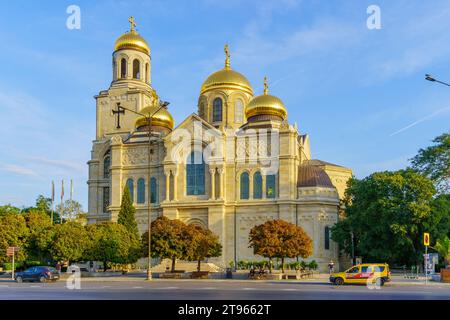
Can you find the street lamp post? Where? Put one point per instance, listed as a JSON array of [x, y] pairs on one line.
[[149, 219], [429, 77]]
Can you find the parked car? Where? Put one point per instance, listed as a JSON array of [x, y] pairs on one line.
[[376, 272], [41, 274]]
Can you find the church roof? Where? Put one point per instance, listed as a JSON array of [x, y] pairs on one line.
[[321, 163], [313, 176]]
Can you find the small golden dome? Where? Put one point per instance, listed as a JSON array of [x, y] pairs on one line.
[[227, 78], [162, 118], [132, 40], [266, 105]]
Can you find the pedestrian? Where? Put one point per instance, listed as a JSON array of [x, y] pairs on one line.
[[331, 266], [58, 267]]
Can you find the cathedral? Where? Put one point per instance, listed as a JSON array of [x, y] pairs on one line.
[[233, 164]]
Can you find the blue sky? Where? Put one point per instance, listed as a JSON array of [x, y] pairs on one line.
[[360, 94]]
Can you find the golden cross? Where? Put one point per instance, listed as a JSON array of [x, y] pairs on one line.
[[132, 23], [227, 57], [266, 86]]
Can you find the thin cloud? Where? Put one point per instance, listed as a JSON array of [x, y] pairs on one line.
[[63, 164], [415, 123], [20, 170]]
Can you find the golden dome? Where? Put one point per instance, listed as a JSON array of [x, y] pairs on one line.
[[162, 118], [266, 105], [227, 78], [132, 40]]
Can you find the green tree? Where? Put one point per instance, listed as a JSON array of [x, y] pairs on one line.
[[44, 205], [40, 231], [434, 162], [128, 220], [201, 244], [71, 210], [9, 209], [70, 240], [168, 240], [110, 243], [387, 213], [13, 233], [280, 239], [127, 213], [443, 248]]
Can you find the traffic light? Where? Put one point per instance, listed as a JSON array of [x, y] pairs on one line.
[[426, 239]]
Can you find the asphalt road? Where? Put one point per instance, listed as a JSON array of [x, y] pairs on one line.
[[216, 290]]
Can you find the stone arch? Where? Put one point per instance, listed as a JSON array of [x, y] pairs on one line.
[[197, 222]]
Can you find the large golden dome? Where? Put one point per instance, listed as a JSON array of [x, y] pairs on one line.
[[162, 118], [266, 105], [227, 79], [132, 40]]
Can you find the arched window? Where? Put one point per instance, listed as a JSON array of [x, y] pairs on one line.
[[238, 111], [217, 110], [245, 186], [257, 186], [123, 68], [147, 73], [136, 69], [327, 238], [195, 174], [271, 186], [153, 190], [141, 191], [130, 186], [106, 166]]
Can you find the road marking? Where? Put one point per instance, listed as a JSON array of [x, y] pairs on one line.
[[249, 289], [289, 289], [35, 286], [169, 288], [208, 288], [138, 287]]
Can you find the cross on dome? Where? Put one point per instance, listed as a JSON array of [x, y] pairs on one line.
[[266, 87], [132, 23], [227, 57]]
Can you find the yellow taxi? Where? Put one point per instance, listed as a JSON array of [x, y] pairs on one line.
[[377, 273]]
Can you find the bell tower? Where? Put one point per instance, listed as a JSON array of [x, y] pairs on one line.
[[131, 59], [130, 87]]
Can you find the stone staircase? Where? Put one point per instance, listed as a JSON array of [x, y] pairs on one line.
[[187, 266]]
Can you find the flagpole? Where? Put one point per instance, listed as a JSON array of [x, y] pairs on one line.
[[71, 199], [62, 201], [53, 200]]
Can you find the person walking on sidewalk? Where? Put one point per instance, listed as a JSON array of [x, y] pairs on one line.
[[331, 266]]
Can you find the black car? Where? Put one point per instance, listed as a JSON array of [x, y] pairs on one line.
[[41, 274]]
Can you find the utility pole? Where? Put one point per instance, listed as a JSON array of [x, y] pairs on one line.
[[149, 218], [353, 247]]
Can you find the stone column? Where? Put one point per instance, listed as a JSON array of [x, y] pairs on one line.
[[264, 195], [212, 172], [221, 184], [167, 173], [250, 184], [175, 184]]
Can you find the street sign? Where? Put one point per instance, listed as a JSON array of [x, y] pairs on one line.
[[11, 250], [426, 239]]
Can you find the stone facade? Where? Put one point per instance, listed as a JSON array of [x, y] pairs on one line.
[[269, 151]]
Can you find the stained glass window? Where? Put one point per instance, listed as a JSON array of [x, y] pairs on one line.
[[141, 191], [217, 110], [245, 184], [271, 186], [257, 186], [195, 174]]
